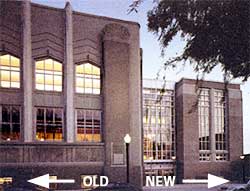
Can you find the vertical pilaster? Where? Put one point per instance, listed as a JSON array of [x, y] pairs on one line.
[[69, 76], [135, 112], [27, 73], [122, 107], [212, 126], [234, 123]]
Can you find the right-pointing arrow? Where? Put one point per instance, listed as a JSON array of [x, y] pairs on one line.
[[211, 182], [215, 181]]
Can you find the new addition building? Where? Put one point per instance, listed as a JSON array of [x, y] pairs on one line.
[[70, 90], [192, 128]]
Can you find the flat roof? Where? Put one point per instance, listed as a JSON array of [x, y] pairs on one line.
[[158, 84], [86, 14]]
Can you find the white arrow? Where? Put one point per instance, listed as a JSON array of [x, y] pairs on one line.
[[212, 181], [44, 181]]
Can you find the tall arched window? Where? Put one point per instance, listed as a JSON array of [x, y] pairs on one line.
[[88, 79], [49, 75], [9, 71]]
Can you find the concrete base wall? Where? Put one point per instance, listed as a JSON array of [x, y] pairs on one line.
[[21, 173]]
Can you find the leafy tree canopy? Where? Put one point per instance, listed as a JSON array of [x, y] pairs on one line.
[[216, 31]]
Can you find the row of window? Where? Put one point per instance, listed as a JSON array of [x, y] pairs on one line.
[[49, 75], [212, 123], [49, 124]]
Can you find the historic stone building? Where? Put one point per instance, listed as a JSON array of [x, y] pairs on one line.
[[192, 129], [70, 89]]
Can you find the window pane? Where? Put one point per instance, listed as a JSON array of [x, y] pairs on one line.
[[15, 132], [5, 114], [15, 115], [9, 123], [87, 79], [49, 75], [49, 87], [40, 116], [49, 116], [5, 60], [88, 90], [48, 79], [220, 128], [204, 126], [40, 132], [50, 127], [88, 125], [96, 84], [39, 78], [15, 62], [6, 133], [87, 68], [58, 88], [57, 66], [49, 64], [15, 84], [80, 117], [40, 87], [58, 116], [15, 76], [79, 82], [88, 83], [79, 90], [96, 71], [96, 91], [57, 80], [79, 69], [40, 65], [88, 118], [97, 126], [5, 76], [5, 84], [10, 76]]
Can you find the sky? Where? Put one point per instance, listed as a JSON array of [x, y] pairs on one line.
[[152, 59]]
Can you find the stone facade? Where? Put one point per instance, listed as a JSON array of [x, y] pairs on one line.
[[30, 32]]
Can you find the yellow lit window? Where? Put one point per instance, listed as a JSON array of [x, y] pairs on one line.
[[53, 185], [88, 125], [9, 71], [10, 122], [88, 79], [49, 124], [5, 180], [49, 75]]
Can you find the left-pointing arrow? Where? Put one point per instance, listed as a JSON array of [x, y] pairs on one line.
[[44, 181]]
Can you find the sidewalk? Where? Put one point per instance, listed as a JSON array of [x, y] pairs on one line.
[[192, 187]]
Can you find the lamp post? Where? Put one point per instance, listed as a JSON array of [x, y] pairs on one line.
[[242, 157], [127, 140]]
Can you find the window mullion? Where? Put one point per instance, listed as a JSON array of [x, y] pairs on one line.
[[11, 121], [212, 125], [92, 125]]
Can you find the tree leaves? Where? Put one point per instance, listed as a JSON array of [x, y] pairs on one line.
[[218, 32]]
